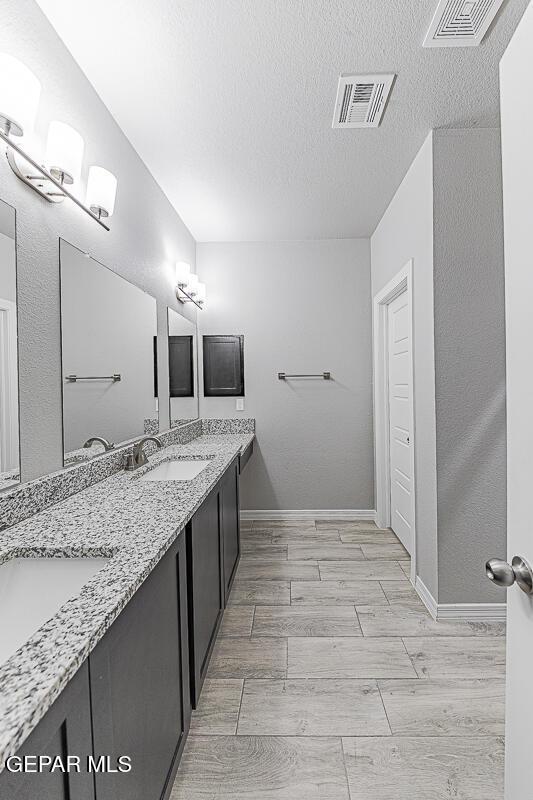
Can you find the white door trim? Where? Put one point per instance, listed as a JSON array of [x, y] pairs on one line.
[[402, 282], [9, 446]]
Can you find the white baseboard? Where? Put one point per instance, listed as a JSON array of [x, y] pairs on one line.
[[426, 597], [356, 515], [460, 612]]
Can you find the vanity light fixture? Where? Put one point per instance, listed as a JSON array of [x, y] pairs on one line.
[[192, 285], [101, 192], [64, 153], [20, 92], [201, 293], [188, 287], [183, 272]]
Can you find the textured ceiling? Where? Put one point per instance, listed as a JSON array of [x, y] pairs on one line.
[[230, 102]]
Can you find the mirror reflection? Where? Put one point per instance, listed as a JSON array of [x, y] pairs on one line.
[[108, 328], [182, 368], [9, 415]]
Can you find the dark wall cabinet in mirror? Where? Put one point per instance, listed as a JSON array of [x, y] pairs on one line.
[[9, 409], [223, 366], [107, 329], [182, 369], [180, 366]]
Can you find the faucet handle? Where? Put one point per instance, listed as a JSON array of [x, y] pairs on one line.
[[129, 462]]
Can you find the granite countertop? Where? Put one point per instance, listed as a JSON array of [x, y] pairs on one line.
[[132, 521]]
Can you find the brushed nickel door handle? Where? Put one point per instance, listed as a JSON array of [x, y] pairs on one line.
[[503, 574]]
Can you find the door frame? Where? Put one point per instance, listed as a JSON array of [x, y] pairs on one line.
[[9, 438], [402, 282]]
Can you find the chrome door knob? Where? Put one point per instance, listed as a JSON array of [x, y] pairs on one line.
[[503, 574]]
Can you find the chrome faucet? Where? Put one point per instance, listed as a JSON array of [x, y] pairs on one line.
[[107, 445], [138, 458]]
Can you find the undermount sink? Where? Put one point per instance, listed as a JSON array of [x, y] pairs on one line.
[[176, 470], [32, 590]]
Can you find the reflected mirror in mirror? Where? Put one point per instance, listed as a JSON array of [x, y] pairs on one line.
[[9, 411], [108, 327], [182, 369]]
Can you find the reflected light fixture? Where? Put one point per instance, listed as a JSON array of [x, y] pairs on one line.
[[183, 271], [201, 293], [188, 287], [101, 192], [20, 92], [64, 153], [192, 285]]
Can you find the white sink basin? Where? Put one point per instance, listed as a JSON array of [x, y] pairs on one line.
[[32, 590], [177, 470]]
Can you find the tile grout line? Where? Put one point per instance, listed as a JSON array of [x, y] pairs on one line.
[[345, 767], [383, 704], [240, 707], [408, 654], [359, 621]]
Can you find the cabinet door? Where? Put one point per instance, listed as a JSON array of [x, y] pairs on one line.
[[223, 366], [139, 685], [229, 515], [65, 730], [206, 592]]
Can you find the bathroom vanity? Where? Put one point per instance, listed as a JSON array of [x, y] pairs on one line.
[[130, 652]]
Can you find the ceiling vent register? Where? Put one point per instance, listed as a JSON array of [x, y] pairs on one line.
[[461, 23], [361, 100]]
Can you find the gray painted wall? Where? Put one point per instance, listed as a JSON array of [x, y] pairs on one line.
[[146, 237], [406, 232], [302, 307], [469, 361], [447, 216]]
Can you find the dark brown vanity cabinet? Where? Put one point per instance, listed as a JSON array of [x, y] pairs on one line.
[[230, 524], [133, 695], [139, 677], [206, 589], [64, 731], [212, 553]]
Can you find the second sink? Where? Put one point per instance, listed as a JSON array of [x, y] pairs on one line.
[[32, 590], [176, 470]]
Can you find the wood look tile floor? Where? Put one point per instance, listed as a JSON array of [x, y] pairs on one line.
[[330, 681]]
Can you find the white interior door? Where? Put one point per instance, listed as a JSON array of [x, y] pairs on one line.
[[400, 434], [517, 149]]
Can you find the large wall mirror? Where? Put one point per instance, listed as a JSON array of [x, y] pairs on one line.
[[108, 327], [9, 411], [182, 369]]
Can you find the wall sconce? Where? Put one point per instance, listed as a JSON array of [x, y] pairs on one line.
[[201, 294], [188, 287], [20, 92], [101, 192], [19, 100], [64, 153], [192, 285], [183, 272]]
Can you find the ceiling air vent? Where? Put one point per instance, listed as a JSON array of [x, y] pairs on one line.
[[461, 23], [361, 100]]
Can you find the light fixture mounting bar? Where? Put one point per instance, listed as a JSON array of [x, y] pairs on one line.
[[183, 297], [44, 172]]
